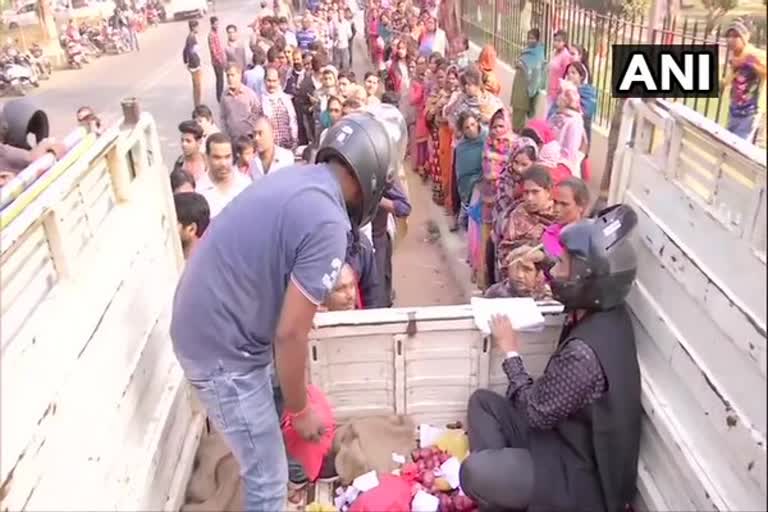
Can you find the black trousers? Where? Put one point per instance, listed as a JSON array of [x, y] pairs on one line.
[[382, 246], [499, 473], [218, 73]]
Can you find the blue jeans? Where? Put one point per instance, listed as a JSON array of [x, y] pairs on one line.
[[743, 126], [242, 408]]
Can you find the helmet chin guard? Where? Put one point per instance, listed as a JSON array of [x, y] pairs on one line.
[[603, 263]]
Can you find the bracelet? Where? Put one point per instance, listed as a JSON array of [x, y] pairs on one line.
[[300, 413]]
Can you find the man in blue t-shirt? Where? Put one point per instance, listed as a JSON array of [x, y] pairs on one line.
[[253, 285]]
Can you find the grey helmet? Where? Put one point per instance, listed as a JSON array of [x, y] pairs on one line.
[[397, 128], [603, 261], [363, 145]]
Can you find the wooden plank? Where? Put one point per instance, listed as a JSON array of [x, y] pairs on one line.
[[695, 231]]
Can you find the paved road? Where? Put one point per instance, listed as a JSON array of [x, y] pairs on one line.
[[155, 75]]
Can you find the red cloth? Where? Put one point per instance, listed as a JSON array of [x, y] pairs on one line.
[[311, 454], [393, 494]]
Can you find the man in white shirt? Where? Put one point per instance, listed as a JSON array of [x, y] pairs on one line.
[[342, 37], [269, 156], [222, 183]]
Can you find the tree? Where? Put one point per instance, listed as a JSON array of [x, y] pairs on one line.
[[47, 22], [716, 9]]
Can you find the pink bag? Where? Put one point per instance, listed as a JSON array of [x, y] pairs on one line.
[[311, 454], [393, 494]]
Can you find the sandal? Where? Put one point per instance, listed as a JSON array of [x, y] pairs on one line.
[[297, 493]]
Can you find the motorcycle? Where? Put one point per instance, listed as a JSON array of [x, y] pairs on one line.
[[18, 75], [40, 61], [76, 57]]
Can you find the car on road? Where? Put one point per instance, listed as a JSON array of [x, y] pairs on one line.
[[26, 14], [176, 9]]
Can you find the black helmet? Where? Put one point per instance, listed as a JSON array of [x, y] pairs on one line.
[[603, 261], [361, 143]]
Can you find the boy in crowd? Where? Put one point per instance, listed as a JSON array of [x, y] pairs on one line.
[[193, 216]]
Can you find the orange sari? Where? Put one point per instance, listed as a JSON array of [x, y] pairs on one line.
[[445, 160]]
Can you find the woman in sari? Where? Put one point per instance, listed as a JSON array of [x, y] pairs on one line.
[[550, 153], [526, 224], [498, 149], [474, 98], [417, 101], [445, 143], [568, 127], [432, 39], [438, 97], [468, 163], [487, 64], [509, 191]]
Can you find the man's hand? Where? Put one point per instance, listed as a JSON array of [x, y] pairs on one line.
[[504, 334], [308, 424]]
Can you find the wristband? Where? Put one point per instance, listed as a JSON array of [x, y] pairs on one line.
[[300, 413]]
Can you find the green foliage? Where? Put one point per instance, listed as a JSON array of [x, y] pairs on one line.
[[716, 9], [618, 7]]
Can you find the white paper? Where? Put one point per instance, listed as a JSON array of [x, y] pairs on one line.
[[397, 458], [366, 482], [424, 502], [429, 435], [521, 311], [450, 471]]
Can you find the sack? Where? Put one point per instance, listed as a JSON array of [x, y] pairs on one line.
[[367, 444], [311, 454]]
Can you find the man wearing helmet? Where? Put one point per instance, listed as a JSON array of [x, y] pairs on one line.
[[569, 440], [252, 288]]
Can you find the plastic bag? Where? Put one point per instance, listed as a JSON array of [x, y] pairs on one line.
[[311, 454], [393, 494]]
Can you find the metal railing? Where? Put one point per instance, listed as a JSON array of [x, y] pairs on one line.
[[505, 23]]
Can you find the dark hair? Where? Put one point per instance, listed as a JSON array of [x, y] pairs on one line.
[[179, 178], [241, 143], [216, 138], [280, 43], [232, 65], [579, 189], [535, 34], [352, 103], [370, 74], [463, 117], [202, 111], [192, 128], [272, 54], [282, 19], [531, 134], [231, 26], [336, 99], [580, 68], [214, 20], [390, 98], [562, 34], [538, 174], [345, 74], [318, 61], [465, 41], [470, 76], [192, 208], [259, 56], [193, 24]]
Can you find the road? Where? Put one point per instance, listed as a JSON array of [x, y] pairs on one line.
[[157, 77]]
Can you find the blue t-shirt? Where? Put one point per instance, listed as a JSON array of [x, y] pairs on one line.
[[291, 225]]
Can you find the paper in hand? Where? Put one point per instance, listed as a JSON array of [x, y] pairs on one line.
[[522, 312]]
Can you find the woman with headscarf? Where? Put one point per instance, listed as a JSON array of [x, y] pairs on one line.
[[474, 98], [559, 61], [496, 156], [577, 74], [568, 127], [527, 222], [550, 153], [438, 97], [432, 39], [398, 76], [468, 163], [417, 102], [446, 138], [509, 191], [528, 81], [487, 65]]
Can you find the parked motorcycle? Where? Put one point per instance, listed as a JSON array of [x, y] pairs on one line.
[[41, 62], [18, 75], [76, 57]]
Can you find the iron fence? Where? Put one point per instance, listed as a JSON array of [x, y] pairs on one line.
[[505, 24]]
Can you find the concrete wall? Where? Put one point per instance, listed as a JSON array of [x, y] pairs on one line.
[[598, 151]]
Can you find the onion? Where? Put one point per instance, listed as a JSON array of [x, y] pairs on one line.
[[429, 464], [446, 504], [426, 453], [416, 455], [436, 461], [463, 503], [421, 465], [428, 479]]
